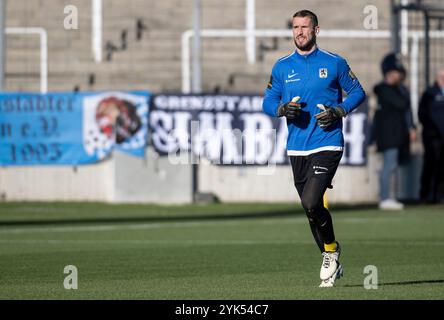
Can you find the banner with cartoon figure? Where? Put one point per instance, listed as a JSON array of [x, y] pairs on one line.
[[71, 128], [116, 120]]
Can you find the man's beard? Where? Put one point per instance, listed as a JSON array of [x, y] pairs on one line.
[[308, 45]]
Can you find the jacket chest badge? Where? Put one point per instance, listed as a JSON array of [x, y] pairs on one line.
[[323, 73]]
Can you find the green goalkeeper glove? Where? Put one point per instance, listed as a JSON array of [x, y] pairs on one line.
[[291, 109], [329, 116]]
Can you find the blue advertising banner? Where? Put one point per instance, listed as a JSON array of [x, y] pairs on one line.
[[71, 128]]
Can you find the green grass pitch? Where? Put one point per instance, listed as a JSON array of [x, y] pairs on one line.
[[217, 251]]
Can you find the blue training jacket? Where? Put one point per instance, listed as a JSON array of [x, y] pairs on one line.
[[318, 78]]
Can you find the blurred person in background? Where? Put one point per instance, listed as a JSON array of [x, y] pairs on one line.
[[306, 87], [431, 116], [393, 127]]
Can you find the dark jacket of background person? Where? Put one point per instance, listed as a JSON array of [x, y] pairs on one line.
[[431, 114], [393, 119]]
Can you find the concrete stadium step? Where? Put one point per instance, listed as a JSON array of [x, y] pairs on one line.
[[22, 55], [156, 58], [22, 84]]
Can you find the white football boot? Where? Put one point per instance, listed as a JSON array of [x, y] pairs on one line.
[[330, 281], [331, 268]]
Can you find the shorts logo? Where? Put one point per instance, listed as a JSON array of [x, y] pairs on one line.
[[319, 170], [323, 73]]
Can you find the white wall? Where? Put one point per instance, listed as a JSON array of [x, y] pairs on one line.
[[231, 184], [122, 179], [151, 180], [156, 180], [89, 183]]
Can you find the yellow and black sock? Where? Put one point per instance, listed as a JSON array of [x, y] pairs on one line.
[[331, 247]]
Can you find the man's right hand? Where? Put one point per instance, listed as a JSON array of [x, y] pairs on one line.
[[290, 110]]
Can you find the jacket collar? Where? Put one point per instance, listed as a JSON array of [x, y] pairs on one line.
[[306, 56]]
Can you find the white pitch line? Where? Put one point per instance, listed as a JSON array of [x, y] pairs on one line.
[[107, 227], [205, 242], [183, 224], [139, 226], [185, 242]]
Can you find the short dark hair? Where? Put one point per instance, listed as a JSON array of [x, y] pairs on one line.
[[307, 13]]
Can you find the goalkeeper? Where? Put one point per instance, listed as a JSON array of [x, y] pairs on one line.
[[306, 88]]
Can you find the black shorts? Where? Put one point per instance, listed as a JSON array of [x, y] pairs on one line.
[[321, 165]]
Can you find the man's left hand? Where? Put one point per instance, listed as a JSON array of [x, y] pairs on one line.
[[329, 116]]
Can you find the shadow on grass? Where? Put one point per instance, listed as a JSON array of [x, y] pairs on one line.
[[297, 211], [163, 218], [399, 283]]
